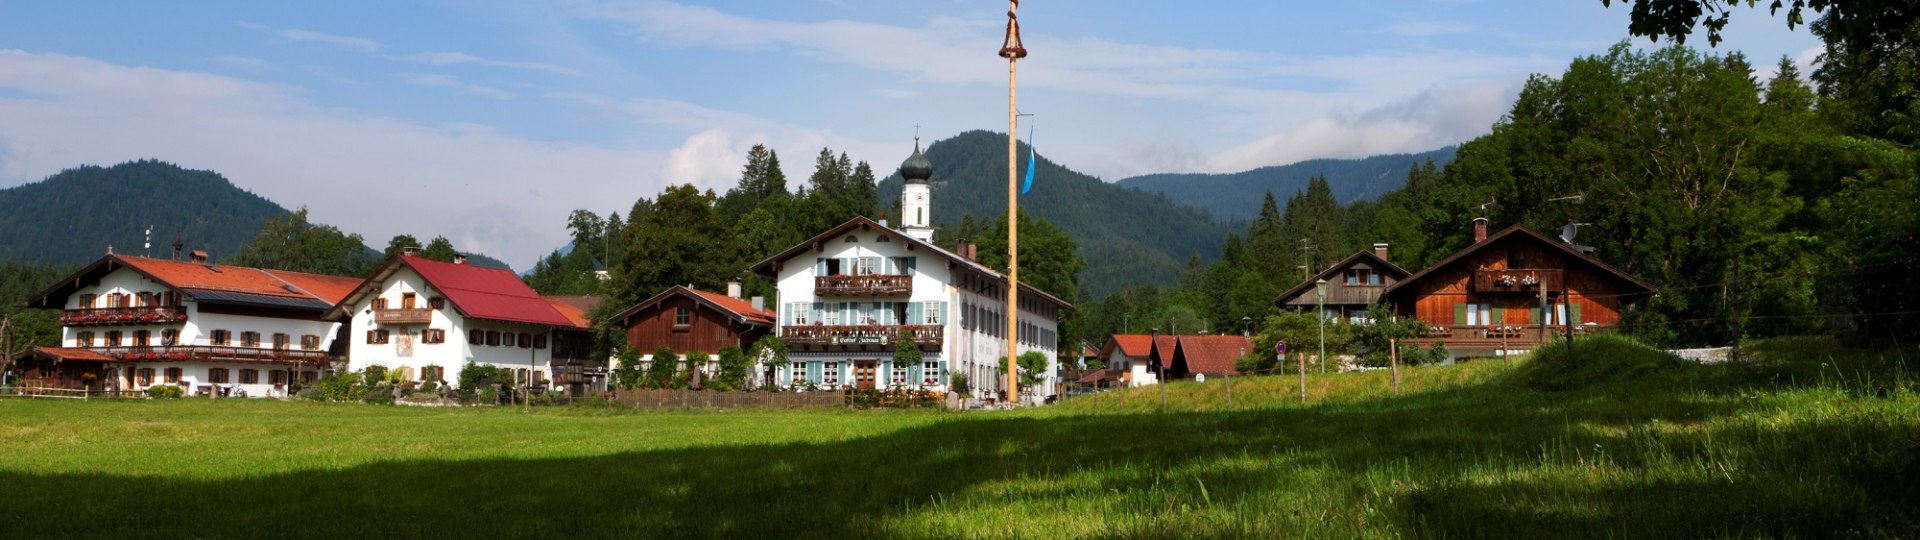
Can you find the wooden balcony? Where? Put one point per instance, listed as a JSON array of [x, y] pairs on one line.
[[862, 285], [403, 316], [1519, 335], [876, 336], [1518, 280], [124, 316], [211, 353]]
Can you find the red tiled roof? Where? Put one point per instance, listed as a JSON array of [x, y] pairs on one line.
[[1134, 345], [574, 308], [333, 289], [739, 307], [214, 277], [487, 293], [1163, 347], [71, 354], [1213, 354]]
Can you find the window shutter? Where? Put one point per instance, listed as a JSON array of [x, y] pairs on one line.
[[370, 334], [887, 266], [1460, 313], [913, 265], [813, 372], [940, 373], [819, 266], [1533, 315], [913, 374], [914, 310], [1573, 312], [1499, 317]]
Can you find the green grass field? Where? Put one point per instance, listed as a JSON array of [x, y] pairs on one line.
[[1618, 442]]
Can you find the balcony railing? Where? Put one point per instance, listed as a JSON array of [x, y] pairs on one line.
[[213, 353], [403, 316], [862, 285], [1518, 334], [124, 316], [925, 335], [1522, 280]]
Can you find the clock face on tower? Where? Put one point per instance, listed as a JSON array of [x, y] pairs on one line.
[[919, 198]]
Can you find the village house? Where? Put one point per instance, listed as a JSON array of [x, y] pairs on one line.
[[1145, 359], [686, 319], [130, 323], [1352, 285], [847, 294], [1513, 290], [427, 319]]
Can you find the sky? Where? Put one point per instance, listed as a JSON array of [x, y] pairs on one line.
[[489, 121]]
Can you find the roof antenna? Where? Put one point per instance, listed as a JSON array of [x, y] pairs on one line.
[[1483, 206]]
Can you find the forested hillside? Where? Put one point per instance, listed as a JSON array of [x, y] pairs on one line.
[[1234, 196], [71, 217], [1127, 236]]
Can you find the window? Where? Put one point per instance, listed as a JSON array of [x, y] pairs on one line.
[[1516, 259], [146, 299], [113, 338], [540, 376], [935, 313], [146, 377], [433, 335], [1480, 315], [142, 338], [899, 374], [682, 315], [83, 340], [433, 373], [249, 339], [493, 338], [377, 337], [88, 300], [864, 265], [173, 375], [276, 377], [539, 342], [930, 373], [220, 337], [282, 341], [882, 238], [526, 341], [476, 337], [169, 337], [310, 342], [437, 303], [506, 339], [117, 300], [379, 304], [798, 311], [406, 300], [217, 375], [851, 239], [830, 374], [309, 376], [249, 376], [798, 372]]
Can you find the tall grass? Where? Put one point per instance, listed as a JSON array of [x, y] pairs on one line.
[[1616, 441]]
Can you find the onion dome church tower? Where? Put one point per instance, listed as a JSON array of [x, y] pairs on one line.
[[916, 197]]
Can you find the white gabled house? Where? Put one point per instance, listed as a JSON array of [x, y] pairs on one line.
[[426, 319], [129, 323], [849, 292]]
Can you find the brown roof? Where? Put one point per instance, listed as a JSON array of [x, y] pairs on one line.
[[1363, 255], [740, 309], [1095, 376], [333, 289], [70, 354], [215, 283], [1213, 354], [1523, 232], [574, 308]]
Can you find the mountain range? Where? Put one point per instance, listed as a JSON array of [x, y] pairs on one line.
[[1237, 196]]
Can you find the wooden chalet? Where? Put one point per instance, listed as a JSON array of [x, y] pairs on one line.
[[1353, 285], [1513, 290], [686, 319]]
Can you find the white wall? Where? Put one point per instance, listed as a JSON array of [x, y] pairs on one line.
[[451, 356]]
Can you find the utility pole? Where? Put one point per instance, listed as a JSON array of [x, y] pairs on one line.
[[1013, 51]]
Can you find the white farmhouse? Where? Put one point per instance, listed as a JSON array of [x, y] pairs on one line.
[[130, 323], [426, 319], [847, 295]]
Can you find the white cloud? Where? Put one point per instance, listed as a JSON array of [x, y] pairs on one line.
[[708, 160], [356, 43], [456, 58], [1431, 119], [372, 175]]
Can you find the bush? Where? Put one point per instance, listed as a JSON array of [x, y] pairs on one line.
[[342, 387], [379, 394], [165, 391], [374, 374]]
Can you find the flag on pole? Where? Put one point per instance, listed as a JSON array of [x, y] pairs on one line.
[[1028, 186]]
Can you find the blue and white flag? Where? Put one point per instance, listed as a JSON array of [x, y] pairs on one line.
[[1028, 186]]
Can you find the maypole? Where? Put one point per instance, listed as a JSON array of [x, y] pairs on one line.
[[1013, 52]]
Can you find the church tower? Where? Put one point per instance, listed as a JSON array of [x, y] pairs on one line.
[[916, 197]]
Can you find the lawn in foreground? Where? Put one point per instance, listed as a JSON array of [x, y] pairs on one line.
[[1630, 447]]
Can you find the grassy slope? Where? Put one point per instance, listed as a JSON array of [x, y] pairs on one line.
[[1804, 446]]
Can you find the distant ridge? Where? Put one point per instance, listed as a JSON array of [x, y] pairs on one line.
[[71, 217], [1237, 196]]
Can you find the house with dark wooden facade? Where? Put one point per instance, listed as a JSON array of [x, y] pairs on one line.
[[1353, 284], [686, 319], [1512, 291]]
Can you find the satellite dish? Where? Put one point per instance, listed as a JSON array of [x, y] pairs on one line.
[[1571, 230]]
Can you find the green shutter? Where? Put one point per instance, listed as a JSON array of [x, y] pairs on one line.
[[1499, 316], [940, 373], [819, 266], [1573, 312], [813, 372], [1533, 315], [1460, 314], [913, 374]]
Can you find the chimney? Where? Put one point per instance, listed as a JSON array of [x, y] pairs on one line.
[[199, 256], [973, 252], [759, 303], [1479, 230], [459, 259], [733, 288], [410, 251], [1380, 250]]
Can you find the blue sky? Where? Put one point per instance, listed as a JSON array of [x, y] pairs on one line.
[[487, 122]]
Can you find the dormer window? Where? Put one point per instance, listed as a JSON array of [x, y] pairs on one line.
[[851, 239]]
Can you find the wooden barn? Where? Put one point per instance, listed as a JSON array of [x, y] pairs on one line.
[[686, 319], [1513, 290], [1353, 285]]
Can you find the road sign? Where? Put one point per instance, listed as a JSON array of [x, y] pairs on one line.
[[1280, 347]]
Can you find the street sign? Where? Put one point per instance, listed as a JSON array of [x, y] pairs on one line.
[[1280, 347]]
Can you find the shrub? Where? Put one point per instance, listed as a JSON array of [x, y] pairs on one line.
[[374, 374], [164, 391], [379, 394]]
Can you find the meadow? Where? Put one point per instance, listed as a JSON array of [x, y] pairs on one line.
[[1809, 440]]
